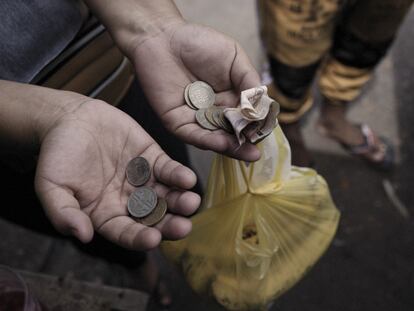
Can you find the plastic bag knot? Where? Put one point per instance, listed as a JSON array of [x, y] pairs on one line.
[[266, 189]]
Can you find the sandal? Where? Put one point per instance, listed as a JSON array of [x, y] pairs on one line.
[[376, 150]]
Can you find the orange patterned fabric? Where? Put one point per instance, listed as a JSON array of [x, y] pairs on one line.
[[298, 33]]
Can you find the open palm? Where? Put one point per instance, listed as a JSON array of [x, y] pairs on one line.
[[185, 53], [81, 181]]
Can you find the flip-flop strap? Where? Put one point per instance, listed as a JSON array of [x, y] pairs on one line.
[[376, 148], [367, 145]]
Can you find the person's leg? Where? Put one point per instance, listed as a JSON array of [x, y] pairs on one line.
[[296, 35], [360, 42]]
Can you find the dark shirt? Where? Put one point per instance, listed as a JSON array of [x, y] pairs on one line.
[[34, 32]]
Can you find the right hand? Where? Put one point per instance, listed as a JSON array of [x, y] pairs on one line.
[[181, 54]]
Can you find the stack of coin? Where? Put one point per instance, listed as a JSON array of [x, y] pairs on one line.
[[201, 97], [143, 204], [212, 118]]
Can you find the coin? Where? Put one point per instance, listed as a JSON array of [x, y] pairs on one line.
[[157, 214], [202, 121], [201, 95], [142, 202], [187, 99], [138, 171], [222, 121], [216, 117], [209, 116]]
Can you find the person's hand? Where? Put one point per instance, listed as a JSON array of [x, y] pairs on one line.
[[80, 178], [181, 54]]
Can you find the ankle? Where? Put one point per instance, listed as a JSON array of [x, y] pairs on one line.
[[333, 116]]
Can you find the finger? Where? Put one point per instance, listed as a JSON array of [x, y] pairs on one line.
[[63, 210], [174, 227], [185, 127], [128, 233], [243, 74], [218, 141], [172, 173], [179, 202]]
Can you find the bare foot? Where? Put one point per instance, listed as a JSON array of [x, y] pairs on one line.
[[359, 140], [333, 119]]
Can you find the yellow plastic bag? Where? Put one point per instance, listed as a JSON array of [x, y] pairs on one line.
[[262, 227]]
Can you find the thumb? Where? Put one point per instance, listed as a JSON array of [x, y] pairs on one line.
[[243, 75], [63, 210]]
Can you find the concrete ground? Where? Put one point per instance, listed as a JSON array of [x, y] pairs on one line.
[[370, 265]]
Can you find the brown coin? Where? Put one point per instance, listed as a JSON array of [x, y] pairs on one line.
[[225, 123], [157, 214], [216, 118], [221, 119], [138, 171], [201, 95], [187, 99], [202, 121], [209, 116], [142, 202]]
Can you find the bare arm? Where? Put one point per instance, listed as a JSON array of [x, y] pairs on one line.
[[26, 113], [131, 22]]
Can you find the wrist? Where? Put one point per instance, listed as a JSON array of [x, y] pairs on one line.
[[28, 111], [49, 113], [132, 22], [134, 35]]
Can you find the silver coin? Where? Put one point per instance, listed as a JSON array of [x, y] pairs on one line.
[[142, 202], [201, 95], [138, 171], [202, 121], [187, 99]]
